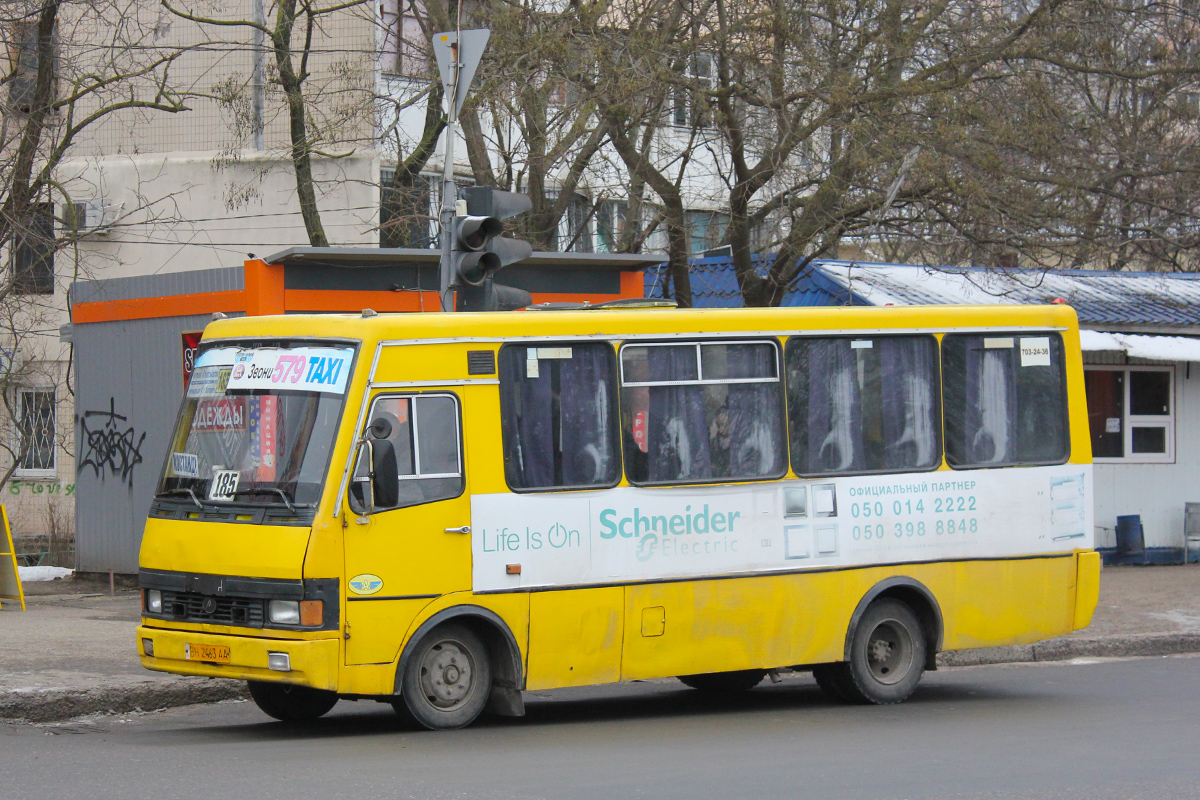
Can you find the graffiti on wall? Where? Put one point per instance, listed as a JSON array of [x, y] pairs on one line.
[[111, 448], [40, 487]]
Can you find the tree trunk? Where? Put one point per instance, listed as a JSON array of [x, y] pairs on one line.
[[405, 201], [301, 150]]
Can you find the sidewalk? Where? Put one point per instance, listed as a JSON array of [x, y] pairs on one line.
[[73, 652]]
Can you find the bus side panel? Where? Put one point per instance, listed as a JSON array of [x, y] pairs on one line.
[[1087, 588], [378, 627], [424, 362], [993, 603], [743, 623], [575, 637]]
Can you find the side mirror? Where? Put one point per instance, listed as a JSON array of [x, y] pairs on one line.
[[361, 495]]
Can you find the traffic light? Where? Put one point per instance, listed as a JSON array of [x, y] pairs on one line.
[[478, 250]]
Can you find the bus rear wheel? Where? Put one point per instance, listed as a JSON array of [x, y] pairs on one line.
[[448, 679], [887, 655], [742, 680], [289, 703]]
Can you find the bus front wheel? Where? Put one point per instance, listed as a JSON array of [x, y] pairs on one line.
[[448, 678], [289, 703], [887, 655]]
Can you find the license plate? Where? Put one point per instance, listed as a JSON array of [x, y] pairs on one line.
[[215, 653]]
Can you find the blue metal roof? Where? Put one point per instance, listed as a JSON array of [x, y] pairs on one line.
[[714, 284], [1101, 298]]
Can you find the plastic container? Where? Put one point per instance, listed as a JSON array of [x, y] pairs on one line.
[[1131, 541]]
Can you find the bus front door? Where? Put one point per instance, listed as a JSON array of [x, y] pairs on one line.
[[405, 554]]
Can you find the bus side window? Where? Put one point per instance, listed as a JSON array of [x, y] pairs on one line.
[[559, 416], [863, 404], [420, 437], [702, 411], [1005, 399]]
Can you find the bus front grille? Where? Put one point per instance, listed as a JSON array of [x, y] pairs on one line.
[[192, 607]]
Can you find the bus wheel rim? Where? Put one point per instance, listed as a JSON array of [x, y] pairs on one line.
[[889, 652], [447, 675]]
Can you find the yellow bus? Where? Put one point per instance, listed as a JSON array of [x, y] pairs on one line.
[[440, 511]]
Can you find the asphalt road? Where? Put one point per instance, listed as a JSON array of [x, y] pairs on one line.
[[1125, 729]]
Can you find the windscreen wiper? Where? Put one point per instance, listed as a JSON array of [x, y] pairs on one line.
[[286, 500], [188, 492]]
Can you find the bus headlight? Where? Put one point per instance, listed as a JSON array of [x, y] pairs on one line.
[[284, 612], [154, 601]]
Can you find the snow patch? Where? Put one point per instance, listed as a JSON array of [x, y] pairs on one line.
[[29, 574]]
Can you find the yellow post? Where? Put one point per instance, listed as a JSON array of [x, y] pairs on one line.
[[10, 579]]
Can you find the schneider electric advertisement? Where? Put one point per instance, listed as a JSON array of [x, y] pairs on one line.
[[625, 534]]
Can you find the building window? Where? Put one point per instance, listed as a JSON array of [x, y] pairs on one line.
[[405, 47], [706, 229], [36, 421], [610, 219], [573, 234], [700, 74], [23, 62], [1131, 413], [33, 252], [578, 233], [407, 216]]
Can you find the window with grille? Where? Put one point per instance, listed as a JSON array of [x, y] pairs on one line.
[[36, 418]]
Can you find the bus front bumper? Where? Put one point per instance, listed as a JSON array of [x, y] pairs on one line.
[[312, 662]]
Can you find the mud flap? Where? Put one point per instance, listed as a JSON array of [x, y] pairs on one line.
[[506, 701]]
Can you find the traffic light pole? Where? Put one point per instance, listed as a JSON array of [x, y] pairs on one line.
[[449, 192]]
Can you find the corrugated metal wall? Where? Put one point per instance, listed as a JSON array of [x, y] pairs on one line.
[[128, 384]]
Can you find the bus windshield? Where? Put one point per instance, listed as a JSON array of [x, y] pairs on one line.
[[257, 426]]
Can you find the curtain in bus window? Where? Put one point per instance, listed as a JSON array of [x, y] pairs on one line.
[[1004, 399], [558, 416], [908, 403], [991, 405], [834, 408], [863, 405], [756, 444], [526, 420], [588, 431], [677, 429]]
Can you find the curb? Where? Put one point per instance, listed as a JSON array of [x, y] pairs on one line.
[[1141, 644], [55, 705]]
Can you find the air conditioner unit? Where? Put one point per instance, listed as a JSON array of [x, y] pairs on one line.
[[96, 215]]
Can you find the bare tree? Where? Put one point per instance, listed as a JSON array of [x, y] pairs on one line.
[[1051, 131], [74, 65], [528, 124]]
